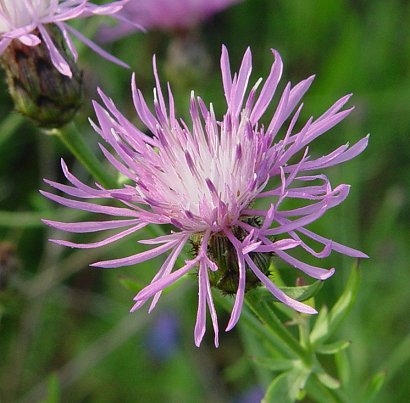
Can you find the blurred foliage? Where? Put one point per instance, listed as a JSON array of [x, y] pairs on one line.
[[65, 330]]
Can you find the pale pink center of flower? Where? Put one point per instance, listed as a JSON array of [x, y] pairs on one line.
[[20, 13], [208, 176]]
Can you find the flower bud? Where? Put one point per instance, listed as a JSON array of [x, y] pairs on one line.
[[39, 91], [222, 252]]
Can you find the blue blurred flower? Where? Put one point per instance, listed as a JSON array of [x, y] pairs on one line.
[[162, 338]]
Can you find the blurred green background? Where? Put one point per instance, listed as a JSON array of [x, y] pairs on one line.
[[65, 330]]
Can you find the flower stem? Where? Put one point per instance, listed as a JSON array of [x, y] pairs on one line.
[[252, 323], [20, 219], [73, 140], [9, 125], [267, 316], [303, 325]]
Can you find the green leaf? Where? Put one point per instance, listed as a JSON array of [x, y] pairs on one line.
[[343, 367], [334, 348], [53, 390], [9, 125], [288, 387], [136, 285], [328, 380], [131, 284], [274, 364], [301, 293], [326, 325], [374, 386], [252, 324], [321, 325], [237, 370], [321, 394], [255, 346], [21, 219], [398, 358], [74, 141], [345, 302], [264, 311]]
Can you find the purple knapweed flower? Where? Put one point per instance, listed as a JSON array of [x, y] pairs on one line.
[[166, 15], [27, 20], [202, 178]]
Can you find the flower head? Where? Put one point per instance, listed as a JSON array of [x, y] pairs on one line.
[[202, 178], [27, 22], [166, 15]]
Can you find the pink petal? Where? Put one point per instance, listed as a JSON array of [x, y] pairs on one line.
[[240, 292], [279, 294], [200, 324], [95, 47], [268, 90], [57, 59], [90, 226], [94, 208], [137, 258], [29, 40], [312, 271]]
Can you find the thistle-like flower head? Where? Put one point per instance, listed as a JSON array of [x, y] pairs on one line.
[[27, 20], [203, 177]]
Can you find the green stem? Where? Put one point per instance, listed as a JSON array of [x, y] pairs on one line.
[[9, 125], [267, 316], [74, 141], [303, 324], [321, 394], [253, 324], [20, 219]]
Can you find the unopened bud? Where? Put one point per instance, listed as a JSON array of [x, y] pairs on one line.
[[39, 91]]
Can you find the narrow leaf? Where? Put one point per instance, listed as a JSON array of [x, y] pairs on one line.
[[328, 380], [334, 348], [274, 364], [325, 326], [301, 293], [131, 284], [266, 314], [287, 388], [374, 386], [252, 324], [321, 326], [343, 367], [321, 394], [53, 390]]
